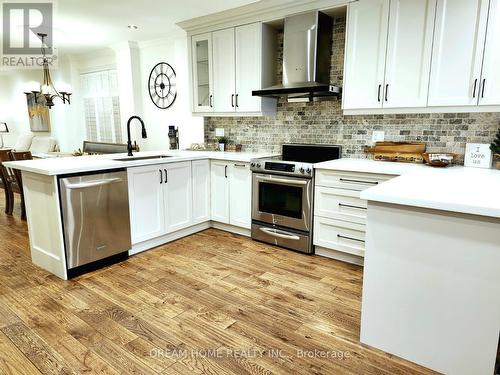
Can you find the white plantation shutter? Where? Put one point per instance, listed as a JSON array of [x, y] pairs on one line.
[[102, 106]]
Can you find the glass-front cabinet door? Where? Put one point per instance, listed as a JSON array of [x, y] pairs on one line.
[[202, 73]]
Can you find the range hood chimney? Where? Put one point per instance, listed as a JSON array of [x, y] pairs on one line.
[[306, 59]]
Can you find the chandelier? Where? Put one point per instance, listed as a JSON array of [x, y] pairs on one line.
[[47, 89]]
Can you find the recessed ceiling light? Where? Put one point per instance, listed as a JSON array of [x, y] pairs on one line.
[[133, 27]]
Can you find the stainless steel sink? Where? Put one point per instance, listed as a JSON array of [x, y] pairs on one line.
[[134, 158]]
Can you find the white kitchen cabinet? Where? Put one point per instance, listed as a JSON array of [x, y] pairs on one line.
[[388, 53], [240, 192], [219, 191], [457, 56], [201, 66], [223, 48], [201, 191], [409, 49], [340, 215], [178, 197], [146, 197], [231, 193], [367, 23], [241, 59], [248, 41], [490, 79]]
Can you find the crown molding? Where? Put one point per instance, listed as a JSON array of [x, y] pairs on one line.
[[264, 10], [166, 40]]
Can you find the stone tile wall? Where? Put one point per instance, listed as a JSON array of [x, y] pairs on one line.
[[323, 121]]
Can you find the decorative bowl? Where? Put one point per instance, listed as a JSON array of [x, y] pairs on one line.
[[439, 159]]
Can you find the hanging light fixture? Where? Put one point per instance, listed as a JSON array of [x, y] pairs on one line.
[[47, 88]]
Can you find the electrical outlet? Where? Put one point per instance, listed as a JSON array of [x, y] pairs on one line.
[[219, 132], [378, 136]]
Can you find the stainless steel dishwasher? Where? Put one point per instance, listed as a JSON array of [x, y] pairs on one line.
[[96, 221]]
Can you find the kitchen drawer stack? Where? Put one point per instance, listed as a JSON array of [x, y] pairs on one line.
[[340, 214]]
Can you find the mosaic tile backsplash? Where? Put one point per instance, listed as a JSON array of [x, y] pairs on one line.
[[323, 121]]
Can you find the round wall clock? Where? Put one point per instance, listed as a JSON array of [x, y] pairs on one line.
[[162, 85]]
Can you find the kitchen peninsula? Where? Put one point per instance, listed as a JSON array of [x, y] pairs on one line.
[[431, 288], [170, 194]]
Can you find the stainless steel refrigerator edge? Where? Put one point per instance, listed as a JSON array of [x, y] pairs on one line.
[[95, 212]]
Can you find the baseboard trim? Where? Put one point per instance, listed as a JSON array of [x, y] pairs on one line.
[[162, 240], [338, 255], [231, 228]]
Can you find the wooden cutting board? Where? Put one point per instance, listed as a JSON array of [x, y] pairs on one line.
[[402, 147], [404, 152]]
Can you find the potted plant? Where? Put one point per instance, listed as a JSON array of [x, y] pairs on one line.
[[222, 141], [495, 147]]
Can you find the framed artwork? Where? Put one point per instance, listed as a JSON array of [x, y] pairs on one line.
[[38, 113], [478, 155]]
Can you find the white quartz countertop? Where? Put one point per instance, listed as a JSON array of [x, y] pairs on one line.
[[81, 164], [370, 166], [465, 190], [459, 189]]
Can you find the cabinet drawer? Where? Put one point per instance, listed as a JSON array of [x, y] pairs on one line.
[[339, 204], [339, 235], [349, 180]]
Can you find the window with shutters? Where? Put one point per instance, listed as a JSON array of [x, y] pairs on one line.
[[101, 104]]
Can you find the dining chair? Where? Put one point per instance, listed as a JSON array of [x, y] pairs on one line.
[[7, 178], [17, 156]]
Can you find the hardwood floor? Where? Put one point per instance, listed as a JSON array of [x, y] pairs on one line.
[[211, 303]]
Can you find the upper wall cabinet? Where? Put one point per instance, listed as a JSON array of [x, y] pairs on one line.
[[365, 54], [223, 50], [460, 32], [490, 78], [201, 55], [409, 48], [227, 65], [388, 53]]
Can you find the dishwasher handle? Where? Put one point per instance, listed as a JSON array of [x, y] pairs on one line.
[[91, 184]]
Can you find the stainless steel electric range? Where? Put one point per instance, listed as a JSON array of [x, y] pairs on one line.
[[283, 195]]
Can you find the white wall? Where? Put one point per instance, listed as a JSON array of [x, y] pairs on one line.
[[172, 50]]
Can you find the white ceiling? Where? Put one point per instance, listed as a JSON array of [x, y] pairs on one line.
[[83, 26]]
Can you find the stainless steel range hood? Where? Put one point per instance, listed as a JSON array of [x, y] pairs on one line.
[[306, 59]]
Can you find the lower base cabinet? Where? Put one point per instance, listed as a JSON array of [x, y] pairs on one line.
[[340, 214], [201, 191], [231, 192], [146, 202], [178, 199], [161, 199], [166, 198]]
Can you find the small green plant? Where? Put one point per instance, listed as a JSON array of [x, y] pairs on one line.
[[224, 140], [495, 146]]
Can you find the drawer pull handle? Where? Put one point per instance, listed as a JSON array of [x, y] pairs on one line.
[[351, 206], [240, 165], [350, 238], [358, 181]]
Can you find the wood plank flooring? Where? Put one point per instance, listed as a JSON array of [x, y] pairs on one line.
[[211, 303]]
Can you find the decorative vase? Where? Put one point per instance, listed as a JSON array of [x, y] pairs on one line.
[[222, 147]]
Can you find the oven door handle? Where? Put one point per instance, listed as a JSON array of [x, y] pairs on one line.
[[279, 234], [282, 180]]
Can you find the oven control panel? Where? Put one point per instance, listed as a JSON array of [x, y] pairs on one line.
[[279, 167], [282, 167]]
